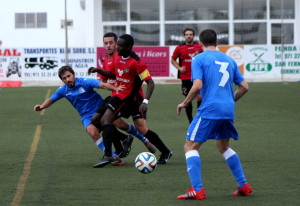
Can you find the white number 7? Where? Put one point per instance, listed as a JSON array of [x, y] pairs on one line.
[[225, 73]]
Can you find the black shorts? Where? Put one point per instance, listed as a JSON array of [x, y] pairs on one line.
[[186, 86], [122, 108]]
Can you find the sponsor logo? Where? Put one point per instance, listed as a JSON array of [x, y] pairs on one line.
[[259, 64]]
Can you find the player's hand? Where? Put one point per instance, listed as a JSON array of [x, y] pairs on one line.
[[182, 69], [179, 107], [120, 88], [38, 108], [92, 70], [143, 108]]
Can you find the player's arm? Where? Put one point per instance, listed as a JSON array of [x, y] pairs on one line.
[[150, 87], [47, 103], [197, 86], [177, 66], [110, 87], [103, 72], [242, 89]]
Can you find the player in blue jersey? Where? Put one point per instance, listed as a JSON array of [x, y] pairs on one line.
[[213, 73], [81, 94]]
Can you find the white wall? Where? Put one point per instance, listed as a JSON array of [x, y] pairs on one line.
[[81, 35]]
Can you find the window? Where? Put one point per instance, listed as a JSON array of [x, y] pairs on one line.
[[250, 9], [144, 11], [30, 20], [282, 34], [250, 33], [119, 30], [174, 35], [115, 10], [161, 22], [196, 10], [282, 9], [145, 34]]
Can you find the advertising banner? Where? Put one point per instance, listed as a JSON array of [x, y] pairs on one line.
[[41, 64], [156, 59]]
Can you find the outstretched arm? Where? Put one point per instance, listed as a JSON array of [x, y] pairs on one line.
[[47, 103], [105, 73], [110, 87], [197, 86]]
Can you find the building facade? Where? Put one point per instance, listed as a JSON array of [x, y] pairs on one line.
[[35, 23]]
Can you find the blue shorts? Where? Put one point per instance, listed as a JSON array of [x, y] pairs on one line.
[[202, 129], [86, 120]]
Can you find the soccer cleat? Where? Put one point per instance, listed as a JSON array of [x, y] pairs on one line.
[[150, 147], [105, 161], [243, 191], [117, 162], [191, 194], [164, 157], [127, 146]]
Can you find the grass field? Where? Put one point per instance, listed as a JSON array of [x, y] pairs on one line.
[[60, 172]]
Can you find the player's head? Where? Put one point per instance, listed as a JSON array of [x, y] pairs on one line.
[[124, 45], [110, 43], [67, 75], [189, 35], [208, 37]]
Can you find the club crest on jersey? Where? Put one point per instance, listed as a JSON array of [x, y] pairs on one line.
[[126, 70], [120, 72], [81, 90]]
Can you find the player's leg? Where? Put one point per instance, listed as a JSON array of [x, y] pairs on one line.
[[232, 158], [194, 169], [186, 86], [94, 133], [129, 128], [195, 138], [166, 154]]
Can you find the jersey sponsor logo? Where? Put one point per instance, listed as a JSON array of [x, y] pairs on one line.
[[123, 80]]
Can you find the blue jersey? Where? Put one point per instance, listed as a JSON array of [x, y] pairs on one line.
[[218, 72], [82, 96]]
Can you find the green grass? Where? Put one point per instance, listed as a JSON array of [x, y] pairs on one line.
[[267, 118]]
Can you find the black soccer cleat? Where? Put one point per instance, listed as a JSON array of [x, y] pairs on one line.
[[127, 146], [105, 161], [164, 157]]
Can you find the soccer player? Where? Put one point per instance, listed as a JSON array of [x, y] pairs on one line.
[[81, 94], [110, 45], [214, 74], [130, 71], [185, 52]]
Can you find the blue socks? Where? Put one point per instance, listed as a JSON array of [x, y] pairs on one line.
[[132, 130], [233, 161], [100, 144], [194, 166]]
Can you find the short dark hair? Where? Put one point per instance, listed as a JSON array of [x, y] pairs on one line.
[[188, 29], [63, 69], [208, 37], [128, 39], [111, 34]]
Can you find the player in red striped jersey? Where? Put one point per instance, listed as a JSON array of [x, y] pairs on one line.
[[130, 71], [110, 45]]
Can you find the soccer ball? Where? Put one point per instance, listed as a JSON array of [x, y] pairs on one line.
[[145, 162]]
